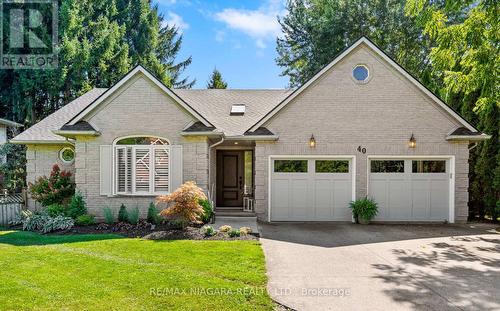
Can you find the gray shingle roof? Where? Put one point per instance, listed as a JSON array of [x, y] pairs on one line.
[[79, 126], [215, 105], [42, 131], [464, 131]]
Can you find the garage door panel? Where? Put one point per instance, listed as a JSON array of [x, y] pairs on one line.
[[419, 193], [299, 198], [319, 196], [421, 199], [439, 199], [280, 199], [323, 198], [342, 195], [399, 201], [378, 189]]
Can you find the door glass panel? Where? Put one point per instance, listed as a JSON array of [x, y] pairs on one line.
[[248, 172], [387, 166], [290, 166], [428, 166], [332, 166]]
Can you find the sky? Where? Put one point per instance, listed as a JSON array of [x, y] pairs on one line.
[[238, 37]]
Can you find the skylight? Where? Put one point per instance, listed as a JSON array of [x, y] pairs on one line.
[[238, 109]]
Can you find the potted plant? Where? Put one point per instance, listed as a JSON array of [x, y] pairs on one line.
[[364, 210]]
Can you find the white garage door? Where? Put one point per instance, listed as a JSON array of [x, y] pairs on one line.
[[311, 189], [410, 189]]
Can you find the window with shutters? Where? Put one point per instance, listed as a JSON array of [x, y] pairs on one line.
[[142, 166]]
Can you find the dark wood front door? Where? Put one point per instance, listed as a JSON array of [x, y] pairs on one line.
[[230, 170]]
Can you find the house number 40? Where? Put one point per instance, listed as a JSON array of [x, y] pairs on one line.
[[361, 149]]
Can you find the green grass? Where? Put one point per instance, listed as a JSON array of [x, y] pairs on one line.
[[108, 272]]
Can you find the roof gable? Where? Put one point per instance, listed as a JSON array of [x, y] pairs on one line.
[[138, 69], [341, 56]]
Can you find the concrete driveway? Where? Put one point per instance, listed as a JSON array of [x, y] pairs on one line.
[[326, 266]]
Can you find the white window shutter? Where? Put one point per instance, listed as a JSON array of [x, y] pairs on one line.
[[175, 167], [106, 169]]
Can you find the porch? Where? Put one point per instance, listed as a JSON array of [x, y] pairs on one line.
[[232, 176]]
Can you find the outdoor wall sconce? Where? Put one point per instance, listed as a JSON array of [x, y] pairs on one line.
[[312, 141], [413, 142]]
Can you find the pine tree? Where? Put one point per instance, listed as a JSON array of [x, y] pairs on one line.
[[216, 81]]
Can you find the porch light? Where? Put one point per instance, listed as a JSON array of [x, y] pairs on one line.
[[412, 143], [312, 141]]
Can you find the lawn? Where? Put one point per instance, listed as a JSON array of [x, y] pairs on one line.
[[108, 272]]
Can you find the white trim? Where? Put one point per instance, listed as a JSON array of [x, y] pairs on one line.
[[254, 137], [451, 158], [41, 142], [151, 148], [61, 157], [215, 133], [352, 171], [339, 58], [132, 73], [9, 123], [76, 133], [469, 137]]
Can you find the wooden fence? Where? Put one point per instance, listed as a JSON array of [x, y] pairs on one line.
[[10, 207]]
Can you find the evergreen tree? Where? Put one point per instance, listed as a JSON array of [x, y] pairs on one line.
[[216, 81], [99, 41], [315, 31]]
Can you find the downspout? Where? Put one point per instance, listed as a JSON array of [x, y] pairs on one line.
[[210, 164]]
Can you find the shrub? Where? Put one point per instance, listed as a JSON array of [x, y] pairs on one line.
[[225, 228], [233, 233], [133, 216], [77, 206], [56, 188], [19, 219], [109, 216], [208, 210], [176, 224], [45, 223], [208, 231], [153, 215], [56, 209], [85, 220], [364, 209], [245, 230], [123, 214], [186, 207]]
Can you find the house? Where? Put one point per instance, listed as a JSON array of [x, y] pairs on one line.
[[4, 124], [362, 126]]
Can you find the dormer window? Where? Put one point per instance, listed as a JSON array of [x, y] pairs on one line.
[[237, 109]]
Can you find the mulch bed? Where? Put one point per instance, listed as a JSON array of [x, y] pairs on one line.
[[148, 231]]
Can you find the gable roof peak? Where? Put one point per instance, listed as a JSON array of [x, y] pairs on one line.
[[138, 68], [384, 56]]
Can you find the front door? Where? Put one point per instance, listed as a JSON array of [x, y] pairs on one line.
[[230, 173]]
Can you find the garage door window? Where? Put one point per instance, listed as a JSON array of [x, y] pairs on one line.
[[388, 166], [290, 166], [332, 166], [428, 166]]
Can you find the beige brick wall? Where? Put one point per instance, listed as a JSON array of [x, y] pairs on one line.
[[379, 116], [138, 108], [40, 159]]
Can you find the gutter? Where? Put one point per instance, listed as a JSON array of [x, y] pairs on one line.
[[40, 142], [469, 137], [254, 137], [75, 133], [208, 134]]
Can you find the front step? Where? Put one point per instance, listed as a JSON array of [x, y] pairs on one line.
[[232, 212]]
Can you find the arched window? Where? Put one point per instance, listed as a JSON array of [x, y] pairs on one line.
[[142, 165]]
